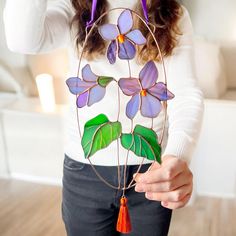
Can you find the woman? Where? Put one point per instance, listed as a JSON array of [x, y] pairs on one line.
[[90, 207]]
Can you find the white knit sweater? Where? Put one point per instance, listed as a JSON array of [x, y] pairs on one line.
[[39, 26]]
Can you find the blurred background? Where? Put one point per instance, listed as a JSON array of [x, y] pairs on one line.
[[31, 133]]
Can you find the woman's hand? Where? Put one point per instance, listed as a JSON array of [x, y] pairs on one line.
[[171, 182]]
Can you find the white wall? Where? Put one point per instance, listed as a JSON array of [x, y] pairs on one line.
[[9, 58], [214, 160], [12, 60], [3, 162], [214, 19]]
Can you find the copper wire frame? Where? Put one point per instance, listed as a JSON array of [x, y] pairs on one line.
[[130, 185]]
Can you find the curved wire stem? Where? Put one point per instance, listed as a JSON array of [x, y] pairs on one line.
[[118, 147], [77, 117], [164, 103], [118, 166]]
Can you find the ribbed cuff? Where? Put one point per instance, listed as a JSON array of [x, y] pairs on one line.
[[180, 145]]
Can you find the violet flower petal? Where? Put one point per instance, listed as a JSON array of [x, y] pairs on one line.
[[125, 22], [88, 75], [133, 106], [126, 50], [160, 91], [108, 31], [148, 75], [77, 86], [82, 99], [111, 52], [129, 86], [136, 36], [96, 94], [150, 106]]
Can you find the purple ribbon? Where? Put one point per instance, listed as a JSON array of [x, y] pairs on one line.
[[145, 11], [94, 6]]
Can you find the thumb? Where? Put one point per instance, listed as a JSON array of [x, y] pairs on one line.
[[154, 165], [136, 176]]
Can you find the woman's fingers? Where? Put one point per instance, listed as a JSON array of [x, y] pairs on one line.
[[170, 183], [172, 196], [176, 205], [166, 186], [168, 170]]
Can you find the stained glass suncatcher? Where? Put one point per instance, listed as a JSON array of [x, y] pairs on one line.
[[147, 96], [146, 93]]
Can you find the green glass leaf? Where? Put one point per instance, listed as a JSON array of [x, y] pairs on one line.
[[104, 80], [99, 132], [143, 142]]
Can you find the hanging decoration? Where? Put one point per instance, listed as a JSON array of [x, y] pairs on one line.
[[148, 96]]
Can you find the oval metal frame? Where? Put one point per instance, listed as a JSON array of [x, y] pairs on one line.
[[163, 102]]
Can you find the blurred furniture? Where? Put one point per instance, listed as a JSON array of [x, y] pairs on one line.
[[5, 100], [34, 140], [31, 140]]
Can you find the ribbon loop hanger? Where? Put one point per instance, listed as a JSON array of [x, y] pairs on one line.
[[94, 7], [145, 11]]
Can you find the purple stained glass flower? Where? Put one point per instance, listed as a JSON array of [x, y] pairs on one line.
[[146, 93], [122, 38], [91, 89]]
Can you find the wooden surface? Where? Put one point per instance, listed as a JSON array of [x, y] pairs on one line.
[[207, 217], [28, 209]]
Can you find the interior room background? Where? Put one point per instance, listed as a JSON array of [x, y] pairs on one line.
[[31, 139]]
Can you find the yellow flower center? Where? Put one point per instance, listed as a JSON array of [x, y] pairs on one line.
[[143, 92], [121, 38]]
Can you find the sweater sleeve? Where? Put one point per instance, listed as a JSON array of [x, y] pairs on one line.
[[185, 111], [37, 26]]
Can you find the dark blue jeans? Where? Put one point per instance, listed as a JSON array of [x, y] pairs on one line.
[[90, 208]]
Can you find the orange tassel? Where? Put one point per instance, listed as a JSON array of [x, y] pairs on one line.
[[123, 223]]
